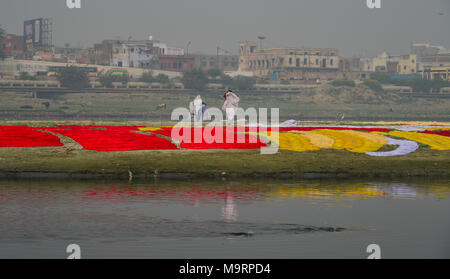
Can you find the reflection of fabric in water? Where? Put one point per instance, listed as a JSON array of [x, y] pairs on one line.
[[398, 190], [229, 211]]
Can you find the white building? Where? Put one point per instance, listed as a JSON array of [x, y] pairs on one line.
[[132, 55], [168, 50]]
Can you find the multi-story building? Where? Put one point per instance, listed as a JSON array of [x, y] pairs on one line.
[[164, 49], [133, 55], [13, 46], [399, 64], [437, 72], [176, 63], [224, 62], [291, 63], [126, 53]]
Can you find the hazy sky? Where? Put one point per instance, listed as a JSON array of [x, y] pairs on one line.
[[345, 24]]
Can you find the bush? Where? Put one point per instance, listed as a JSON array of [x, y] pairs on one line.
[[107, 80], [73, 78], [26, 76], [243, 82], [162, 78], [214, 73], [374, 85], [381, 77], [194, 79], [341, 82], [238, 82], [422, 85], [147, 77]]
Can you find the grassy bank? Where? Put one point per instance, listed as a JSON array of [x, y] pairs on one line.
[[72, 159], [205, 163]]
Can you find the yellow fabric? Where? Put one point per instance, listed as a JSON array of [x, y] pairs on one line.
[[355, 142]]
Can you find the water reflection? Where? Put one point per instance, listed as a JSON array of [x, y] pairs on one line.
[[276, 215]]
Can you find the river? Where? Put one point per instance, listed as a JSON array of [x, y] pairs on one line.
[[225, 218]]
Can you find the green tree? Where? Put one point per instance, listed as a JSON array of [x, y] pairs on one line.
[[341, 82], [381, 77], [423, 85], [226, 80], [107, 80], [214, 73], [73, 77], [374, 85], [26, 76], [162, 78], [243, 82], [194, 79], [147, 77], [2, 37]]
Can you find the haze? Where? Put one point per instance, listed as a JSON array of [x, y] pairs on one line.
[[345, 24]]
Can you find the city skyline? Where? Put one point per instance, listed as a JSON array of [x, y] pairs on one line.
[[351, 27]]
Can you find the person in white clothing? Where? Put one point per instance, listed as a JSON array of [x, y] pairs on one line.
[[230, 104]]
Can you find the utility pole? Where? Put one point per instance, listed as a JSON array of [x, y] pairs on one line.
[[187, 48], [217, 59]]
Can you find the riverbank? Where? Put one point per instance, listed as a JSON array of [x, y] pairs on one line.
[[66, 163], [70, 159]]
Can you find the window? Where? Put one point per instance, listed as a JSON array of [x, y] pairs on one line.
[[290, 60], [331, 61]]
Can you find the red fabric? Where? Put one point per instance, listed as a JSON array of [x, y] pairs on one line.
[[205, 142], [22, 136], [441, 133], [114, 138]]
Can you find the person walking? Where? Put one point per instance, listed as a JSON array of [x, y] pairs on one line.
[[230, 104], [196, 108]]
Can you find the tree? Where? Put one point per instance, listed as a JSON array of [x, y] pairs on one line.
[[194, 79], [147, 77], [26, 76], [107, 80], [2, 37], [162, 78], [243, 82], [73, 77], [342, 82], [374, 85], [383, 78], [423, 85], [214, 73]]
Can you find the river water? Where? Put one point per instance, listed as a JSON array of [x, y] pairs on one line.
[[225, 218]]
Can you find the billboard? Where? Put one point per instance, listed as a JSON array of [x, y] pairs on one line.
[[32, 31]]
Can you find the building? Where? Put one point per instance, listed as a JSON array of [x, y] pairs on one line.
[[426, 49], [126, 53], [13, 46], [398, 64], [224, 62], [430, 56], [133, 55], [176, 63], [292, 63], [164, 49], [436, 72]]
